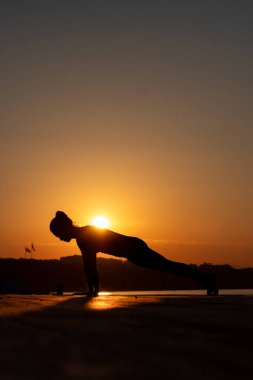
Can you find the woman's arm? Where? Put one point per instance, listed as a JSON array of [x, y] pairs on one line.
[[90, 270]]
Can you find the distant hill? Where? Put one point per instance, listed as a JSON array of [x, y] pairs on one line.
[[20, 275]]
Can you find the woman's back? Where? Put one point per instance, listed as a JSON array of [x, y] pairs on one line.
[[94, 239]]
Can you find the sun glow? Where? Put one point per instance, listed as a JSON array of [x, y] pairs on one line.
[[100, 221]]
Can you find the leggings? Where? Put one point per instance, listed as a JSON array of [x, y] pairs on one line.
[[147, 258]]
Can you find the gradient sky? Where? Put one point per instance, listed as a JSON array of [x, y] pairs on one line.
[[137, 110]]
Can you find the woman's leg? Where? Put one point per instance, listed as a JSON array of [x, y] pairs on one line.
[[147, 258]]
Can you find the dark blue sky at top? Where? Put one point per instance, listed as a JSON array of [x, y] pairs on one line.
[[178, 45]]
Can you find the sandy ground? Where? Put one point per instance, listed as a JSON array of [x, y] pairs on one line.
[[126, 337]]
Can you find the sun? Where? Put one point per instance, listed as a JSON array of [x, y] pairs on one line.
[[100, 221]]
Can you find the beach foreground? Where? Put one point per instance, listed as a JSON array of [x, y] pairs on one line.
[[126, 337]]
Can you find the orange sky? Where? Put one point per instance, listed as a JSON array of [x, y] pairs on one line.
[[139, 111]]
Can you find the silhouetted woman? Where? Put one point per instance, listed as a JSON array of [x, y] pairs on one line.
[[92, 240]]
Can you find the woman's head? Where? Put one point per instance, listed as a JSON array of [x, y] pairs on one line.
[[62, 226]]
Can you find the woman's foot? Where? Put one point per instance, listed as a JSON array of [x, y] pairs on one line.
[[212, 288]]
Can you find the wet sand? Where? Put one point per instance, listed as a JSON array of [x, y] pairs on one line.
[[126, 337]]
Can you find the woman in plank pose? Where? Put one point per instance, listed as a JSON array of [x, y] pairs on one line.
[[92, 240]]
